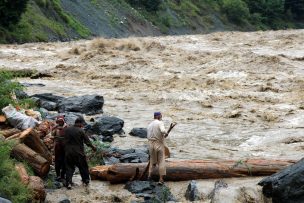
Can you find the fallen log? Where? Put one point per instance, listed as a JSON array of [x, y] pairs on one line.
[[22, 173], [33, 182], [192, 169], [35, 143], [21, 135], [9, 132], [2, 119], [37, 186], [39, 164]]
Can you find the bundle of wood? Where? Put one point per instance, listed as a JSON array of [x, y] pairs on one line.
[[29, 148]]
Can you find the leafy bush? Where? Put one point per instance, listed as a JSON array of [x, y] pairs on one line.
[[11, 11], [8, 88], [96, 158], [10, 185], [236, 10]]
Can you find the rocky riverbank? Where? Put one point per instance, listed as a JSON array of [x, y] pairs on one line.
[[234, 95]]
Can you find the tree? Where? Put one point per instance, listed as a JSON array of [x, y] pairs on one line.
[[236, 10], [11, 11], [296, 7]]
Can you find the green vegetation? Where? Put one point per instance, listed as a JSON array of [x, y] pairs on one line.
[[8, 87], [44, 20], [96, 158], [10, 185]]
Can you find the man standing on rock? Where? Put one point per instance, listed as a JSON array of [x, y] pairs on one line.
[[156, 136], [58, 134], [75, 137]]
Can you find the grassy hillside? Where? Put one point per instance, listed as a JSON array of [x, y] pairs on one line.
[[50, 20]]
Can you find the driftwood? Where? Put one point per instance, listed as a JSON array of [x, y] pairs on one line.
[[39, 164], [192, 169], [33, 182], [35, 143], [9, 132]]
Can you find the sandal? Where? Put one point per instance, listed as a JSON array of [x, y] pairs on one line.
[[160, 183]]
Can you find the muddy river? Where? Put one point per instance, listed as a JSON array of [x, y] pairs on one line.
[[234, 96]]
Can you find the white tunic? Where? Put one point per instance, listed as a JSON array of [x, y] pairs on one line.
[[156, 131]]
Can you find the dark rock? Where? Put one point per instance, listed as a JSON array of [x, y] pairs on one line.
[[48, 97], [87, 104], [48, 105], [41, 75], [285, 185], [131, 158], [21, 94], [192, 192], [108, 139], [2, 200], [107, 126], [139, 132], [25, 84], [65, 200], [124, 151], [69, 117], [150, 191], [110, 160]]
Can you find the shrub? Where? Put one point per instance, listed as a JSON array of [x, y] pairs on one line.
[[8, 88], [10, 184], [236, 10]]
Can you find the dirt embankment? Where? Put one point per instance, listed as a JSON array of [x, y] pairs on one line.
[[235, 95]]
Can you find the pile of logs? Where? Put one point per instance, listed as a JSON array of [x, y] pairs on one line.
[[31, 148], [191, 169]]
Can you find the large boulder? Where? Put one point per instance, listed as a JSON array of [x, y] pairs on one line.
[[47, 101], [107, 126], [87, 104], [150, 191], [285, 185], [69, 117], [139, 132]]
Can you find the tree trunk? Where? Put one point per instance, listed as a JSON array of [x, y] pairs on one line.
[[22, 173], [9, 132], [34, 142], [20, 135], [39, 164], [36, 184], [192, 169]]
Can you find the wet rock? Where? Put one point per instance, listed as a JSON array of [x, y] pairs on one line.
[[150, 191], [107, 126], [25, 84], [69, 117], [192, 193], [124, 151], [48, 105], [65, 200], [139, 132], [285, 185], [21, 94], [87, 104], [41, 75], [48, 97], [110, 160], [217, 186], [2, 200], [108, 138], [135, 158]]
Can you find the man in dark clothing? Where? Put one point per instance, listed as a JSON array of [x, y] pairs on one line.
[[58, 134], [75, 137]]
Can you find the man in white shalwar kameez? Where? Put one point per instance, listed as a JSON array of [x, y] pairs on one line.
[[156, 136]]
